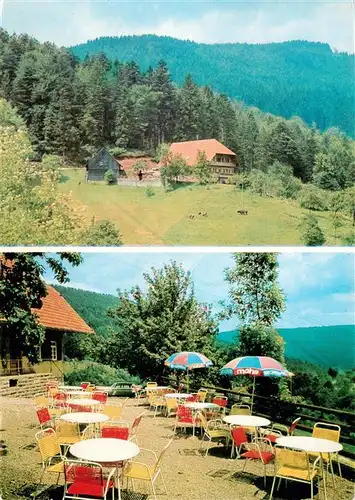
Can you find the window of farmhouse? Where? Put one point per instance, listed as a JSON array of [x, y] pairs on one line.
[[54, 350]]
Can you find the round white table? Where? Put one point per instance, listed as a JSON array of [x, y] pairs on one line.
[[201, 406], [70, 388], [84, 417], [105, 451], [75, 393], [311, 444], [177, 395], [246, 420], [157, 388], [83, 402]]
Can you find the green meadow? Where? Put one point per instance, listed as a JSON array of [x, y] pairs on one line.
[[163, 219]]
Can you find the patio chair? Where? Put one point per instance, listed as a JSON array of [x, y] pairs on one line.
[[202, 395], [259, 449], [85, 480], [146, 472], [220, 401], [150, 385], [115, 429], [279, 430], [185, 418], [239, 440], [180, 388], [295, 466], [41, 400], [44, 417], [90, 388], [100, 396], [158, 402], [238, 409], [213, 429], [193, 398], [84, 385], [332, 432], [60, 400], [68, 433], [171, 406], [114, 412], [51, 454], [134, 427]]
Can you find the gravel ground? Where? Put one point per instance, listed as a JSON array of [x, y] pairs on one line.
[[188, 474]]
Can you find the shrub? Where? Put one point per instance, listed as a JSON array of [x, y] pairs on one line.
[[103, 232], [149, 192], [313, 198], [110, 177], [312, 235], [98, 374]]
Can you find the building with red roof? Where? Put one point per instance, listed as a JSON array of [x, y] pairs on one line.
[[59, 319], [223, 161]]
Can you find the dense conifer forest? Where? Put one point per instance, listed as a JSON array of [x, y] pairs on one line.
[[292, 78], [72, 108]]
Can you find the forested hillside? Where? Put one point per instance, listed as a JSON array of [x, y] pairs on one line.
[[91, 306], [71, 109], [326, 346], [291, 78]]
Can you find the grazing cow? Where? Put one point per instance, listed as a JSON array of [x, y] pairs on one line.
[[242, 212], [204, 214], [191, 216]]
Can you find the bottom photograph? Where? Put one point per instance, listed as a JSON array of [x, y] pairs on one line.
[[177, 374]]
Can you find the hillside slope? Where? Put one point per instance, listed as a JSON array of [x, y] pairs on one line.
[[323, 345], [291, 78]]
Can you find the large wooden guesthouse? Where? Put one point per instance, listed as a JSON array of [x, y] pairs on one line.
[[222, 160]]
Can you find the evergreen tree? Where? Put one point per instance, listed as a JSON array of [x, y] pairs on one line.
[[312, 235]]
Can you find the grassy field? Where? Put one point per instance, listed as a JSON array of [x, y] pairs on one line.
[[163, 219]]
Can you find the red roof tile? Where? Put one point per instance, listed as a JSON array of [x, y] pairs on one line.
[[58, 314], [189, 149]]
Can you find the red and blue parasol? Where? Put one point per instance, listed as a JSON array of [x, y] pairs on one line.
[[255, 366], [187, 361]]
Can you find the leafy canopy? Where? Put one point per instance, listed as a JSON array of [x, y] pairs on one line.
[[164, 319]]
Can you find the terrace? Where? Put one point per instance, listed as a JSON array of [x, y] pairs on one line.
[[188, 472]]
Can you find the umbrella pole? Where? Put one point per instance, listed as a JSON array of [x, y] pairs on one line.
[[187, 380], [252, 397]]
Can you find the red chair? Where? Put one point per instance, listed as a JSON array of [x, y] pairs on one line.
[[100, 396], [115, 429], [84, 385], [86, 480], [180, 388], [44, 417], [185, 417], [220, 401], [193, 398], [60, 400], [239, 440], [134, 427], [279, 430], [259, 449]]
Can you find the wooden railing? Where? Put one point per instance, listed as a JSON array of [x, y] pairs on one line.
[[284, 412], [15, 366]]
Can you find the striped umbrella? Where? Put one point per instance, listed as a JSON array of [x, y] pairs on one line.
[[187, 361], [255, 366]]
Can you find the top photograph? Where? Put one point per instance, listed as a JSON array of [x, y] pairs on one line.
[[177, 123]]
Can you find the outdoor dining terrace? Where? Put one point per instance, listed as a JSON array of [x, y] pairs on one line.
[[198, 463]]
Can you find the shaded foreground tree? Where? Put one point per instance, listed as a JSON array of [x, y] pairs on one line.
[[154, 324], [21, 289], [312, 235]]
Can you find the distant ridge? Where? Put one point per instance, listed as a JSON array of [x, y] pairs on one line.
[[322, 345], [302, 78]]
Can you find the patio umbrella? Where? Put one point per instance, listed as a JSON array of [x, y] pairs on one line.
[[255, 366], [187, 361]]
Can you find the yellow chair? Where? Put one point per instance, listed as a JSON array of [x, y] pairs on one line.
[[113, 412], [213, 429], [295, 466], [202, 395], [151, 384], [158, 402], [50, 451], [41, 400], [171, 406], [240, 410], [146, 472], [332, 432], [68, 433]]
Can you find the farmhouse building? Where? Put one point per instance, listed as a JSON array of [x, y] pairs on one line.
[[222, 160], [59, 319], [100, 164]]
